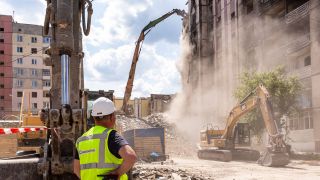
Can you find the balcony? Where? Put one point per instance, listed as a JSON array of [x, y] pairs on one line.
[[303, 72], [298, 13], [298, 44]]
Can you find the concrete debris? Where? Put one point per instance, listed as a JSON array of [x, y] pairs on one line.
[[126, 123], [164, 173], [151, 121]]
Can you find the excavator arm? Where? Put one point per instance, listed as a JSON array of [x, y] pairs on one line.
[[224, 139], [137, 51]]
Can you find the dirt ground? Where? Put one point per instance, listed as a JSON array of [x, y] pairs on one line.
[[234, 170]]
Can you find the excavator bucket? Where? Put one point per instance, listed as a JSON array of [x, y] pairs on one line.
[[274, 159]]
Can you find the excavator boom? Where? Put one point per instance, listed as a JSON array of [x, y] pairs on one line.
[[136, 54]]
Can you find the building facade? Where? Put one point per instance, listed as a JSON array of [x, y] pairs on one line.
[[5, 65], [232, 36], [29, 78]]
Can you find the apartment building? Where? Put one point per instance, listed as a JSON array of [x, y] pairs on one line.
[[232, 36], [5, 65], [29, 78]]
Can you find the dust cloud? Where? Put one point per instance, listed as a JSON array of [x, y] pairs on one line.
[[260, 44]]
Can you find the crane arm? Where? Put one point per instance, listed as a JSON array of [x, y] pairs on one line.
[[137, 50]]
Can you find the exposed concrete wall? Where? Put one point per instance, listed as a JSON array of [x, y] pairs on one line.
[[315, 61]]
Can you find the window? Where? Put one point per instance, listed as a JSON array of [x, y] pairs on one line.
[[218, 10], [19, 83], [34, 105], [1, 97], [34, 61], [1, 51], [34, 72], [19, 38], [1, 85], [34, 39], [19, 49], [1, 29], [34, 83], [307, 61], [34, 94], [1, 74], [249, 6], [1, 63], [34, 50], [1, 40], [46, 83], [46, 39], [46, 105], [19, 94], [19, 71], [20, 61], [1, 108], [46, 94], [46, 72]]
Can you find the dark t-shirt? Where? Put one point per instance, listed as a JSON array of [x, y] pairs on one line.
[[115, 142]]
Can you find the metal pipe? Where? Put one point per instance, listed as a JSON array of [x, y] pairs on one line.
[[65, 74]]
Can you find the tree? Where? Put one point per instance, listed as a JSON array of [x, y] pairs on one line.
[[284, 91]]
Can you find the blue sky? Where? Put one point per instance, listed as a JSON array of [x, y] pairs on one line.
[[116, 25]]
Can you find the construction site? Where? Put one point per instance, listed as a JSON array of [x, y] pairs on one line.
[[231, 94]]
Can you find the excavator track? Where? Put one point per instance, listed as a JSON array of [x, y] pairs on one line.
[[215, 154], [228, 155], [274, 159]]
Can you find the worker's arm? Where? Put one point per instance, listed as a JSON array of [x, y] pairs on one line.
[[76, 167], [129, 158]]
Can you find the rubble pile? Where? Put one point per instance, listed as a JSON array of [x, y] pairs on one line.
[[127, 123], [165, 174], [160, 120], [8, 124]]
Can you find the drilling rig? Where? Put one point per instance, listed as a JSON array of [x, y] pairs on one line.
[[66, 120]]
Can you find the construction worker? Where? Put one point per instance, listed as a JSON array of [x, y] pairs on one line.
[[103, 153]]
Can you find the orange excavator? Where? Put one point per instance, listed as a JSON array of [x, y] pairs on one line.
[[219, 145], [137, 51]]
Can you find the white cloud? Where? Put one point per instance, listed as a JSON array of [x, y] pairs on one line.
[[109, 68], [115, 23]]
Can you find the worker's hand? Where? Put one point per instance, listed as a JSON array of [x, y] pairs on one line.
[[115, 172]]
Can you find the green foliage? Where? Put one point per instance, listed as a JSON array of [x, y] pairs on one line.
[[284, 92]]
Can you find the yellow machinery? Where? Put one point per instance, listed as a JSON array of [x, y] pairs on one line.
[[30, 142], [220, 144]]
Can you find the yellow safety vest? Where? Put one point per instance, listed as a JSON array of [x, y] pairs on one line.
[[94, 154]]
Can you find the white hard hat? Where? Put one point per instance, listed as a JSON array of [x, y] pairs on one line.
[[102, 107]]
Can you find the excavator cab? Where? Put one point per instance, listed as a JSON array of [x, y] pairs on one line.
[[242, 135]]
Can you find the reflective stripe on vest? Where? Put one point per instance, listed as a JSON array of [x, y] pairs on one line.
[[101, 164]]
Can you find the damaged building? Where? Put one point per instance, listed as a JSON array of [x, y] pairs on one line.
[[229, 37]]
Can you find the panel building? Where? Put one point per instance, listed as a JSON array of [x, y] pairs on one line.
[[229, 37], [29, 77]]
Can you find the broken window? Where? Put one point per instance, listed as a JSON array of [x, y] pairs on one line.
[[307, 61], [34, 51], [248, 4], [19, 94], [218, 10], [34, 94]]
